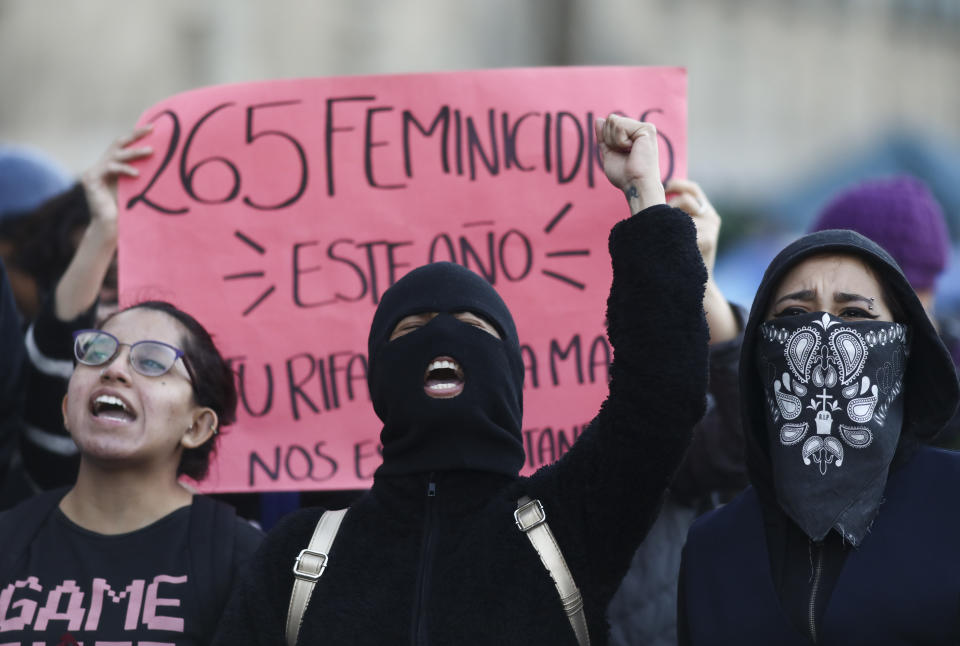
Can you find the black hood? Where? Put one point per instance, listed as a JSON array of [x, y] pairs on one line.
[[479, 429], [931, 391]]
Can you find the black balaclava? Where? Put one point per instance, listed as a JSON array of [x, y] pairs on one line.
[[930, 390], [834, 414], [480, 429]]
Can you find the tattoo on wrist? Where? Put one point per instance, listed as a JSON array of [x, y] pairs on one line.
[[631, 192]]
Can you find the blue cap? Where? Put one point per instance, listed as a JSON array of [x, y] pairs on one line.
[[27, 179]]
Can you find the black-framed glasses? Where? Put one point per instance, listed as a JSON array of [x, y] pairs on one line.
[[149, 358]]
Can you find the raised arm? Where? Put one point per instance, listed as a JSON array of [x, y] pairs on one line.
[[690, 198], [714, 463], [78, 288], [603, 495]]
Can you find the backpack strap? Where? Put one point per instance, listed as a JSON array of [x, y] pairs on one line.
[[310, 564], [531, 519], [19, 526], [213, 526]]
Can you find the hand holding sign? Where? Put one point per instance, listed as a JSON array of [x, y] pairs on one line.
[[88, 276], [100, 180], [630, 159], [689, 197]]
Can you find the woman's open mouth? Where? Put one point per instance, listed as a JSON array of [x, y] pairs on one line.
[[111, 408], [443, 379]]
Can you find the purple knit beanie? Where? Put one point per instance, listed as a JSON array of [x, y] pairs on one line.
[[902, 216]]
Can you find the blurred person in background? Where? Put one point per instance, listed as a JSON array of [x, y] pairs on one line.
[[13, 486], [128, 553], [901, 215], [27, 179], [64, 255], [849, 532], [644, 609]]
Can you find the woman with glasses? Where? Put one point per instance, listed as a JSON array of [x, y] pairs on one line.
[[128, 553]]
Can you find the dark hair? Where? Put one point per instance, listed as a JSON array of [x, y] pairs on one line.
[[212, 380], [44, 240], [897, 311]]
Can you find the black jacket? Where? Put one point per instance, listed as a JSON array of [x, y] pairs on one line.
[[451, 567], [220, 544], [12, 484]]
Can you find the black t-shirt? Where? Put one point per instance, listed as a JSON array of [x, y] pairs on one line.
[[77, 587]]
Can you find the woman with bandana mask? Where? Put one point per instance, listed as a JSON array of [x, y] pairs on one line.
[[431, 554], [849, 533]]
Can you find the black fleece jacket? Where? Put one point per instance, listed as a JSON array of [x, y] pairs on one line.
[[408, 567]]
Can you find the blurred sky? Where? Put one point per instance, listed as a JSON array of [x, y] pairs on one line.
[[788, 99]]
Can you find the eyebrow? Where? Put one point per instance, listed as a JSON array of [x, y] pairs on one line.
[[802, 295], [844, 297], [838, 297]]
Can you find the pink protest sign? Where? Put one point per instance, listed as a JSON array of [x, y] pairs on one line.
[[278, 212]]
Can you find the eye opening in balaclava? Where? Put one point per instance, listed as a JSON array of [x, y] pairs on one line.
[[479, 428], [466, 316]]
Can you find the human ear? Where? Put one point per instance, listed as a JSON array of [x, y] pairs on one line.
[[63, 411], [205, 425]]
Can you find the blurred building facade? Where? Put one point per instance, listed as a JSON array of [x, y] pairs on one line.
[[784, 95], [775, 86]]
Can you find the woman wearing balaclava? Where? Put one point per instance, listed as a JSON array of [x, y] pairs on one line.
[[431, 554], [849, 533]]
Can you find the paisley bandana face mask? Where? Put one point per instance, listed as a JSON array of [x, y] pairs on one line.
[[834, 393]]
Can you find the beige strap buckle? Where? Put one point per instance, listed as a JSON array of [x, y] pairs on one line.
[[309, 565], [522, 515], [531, 519]]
